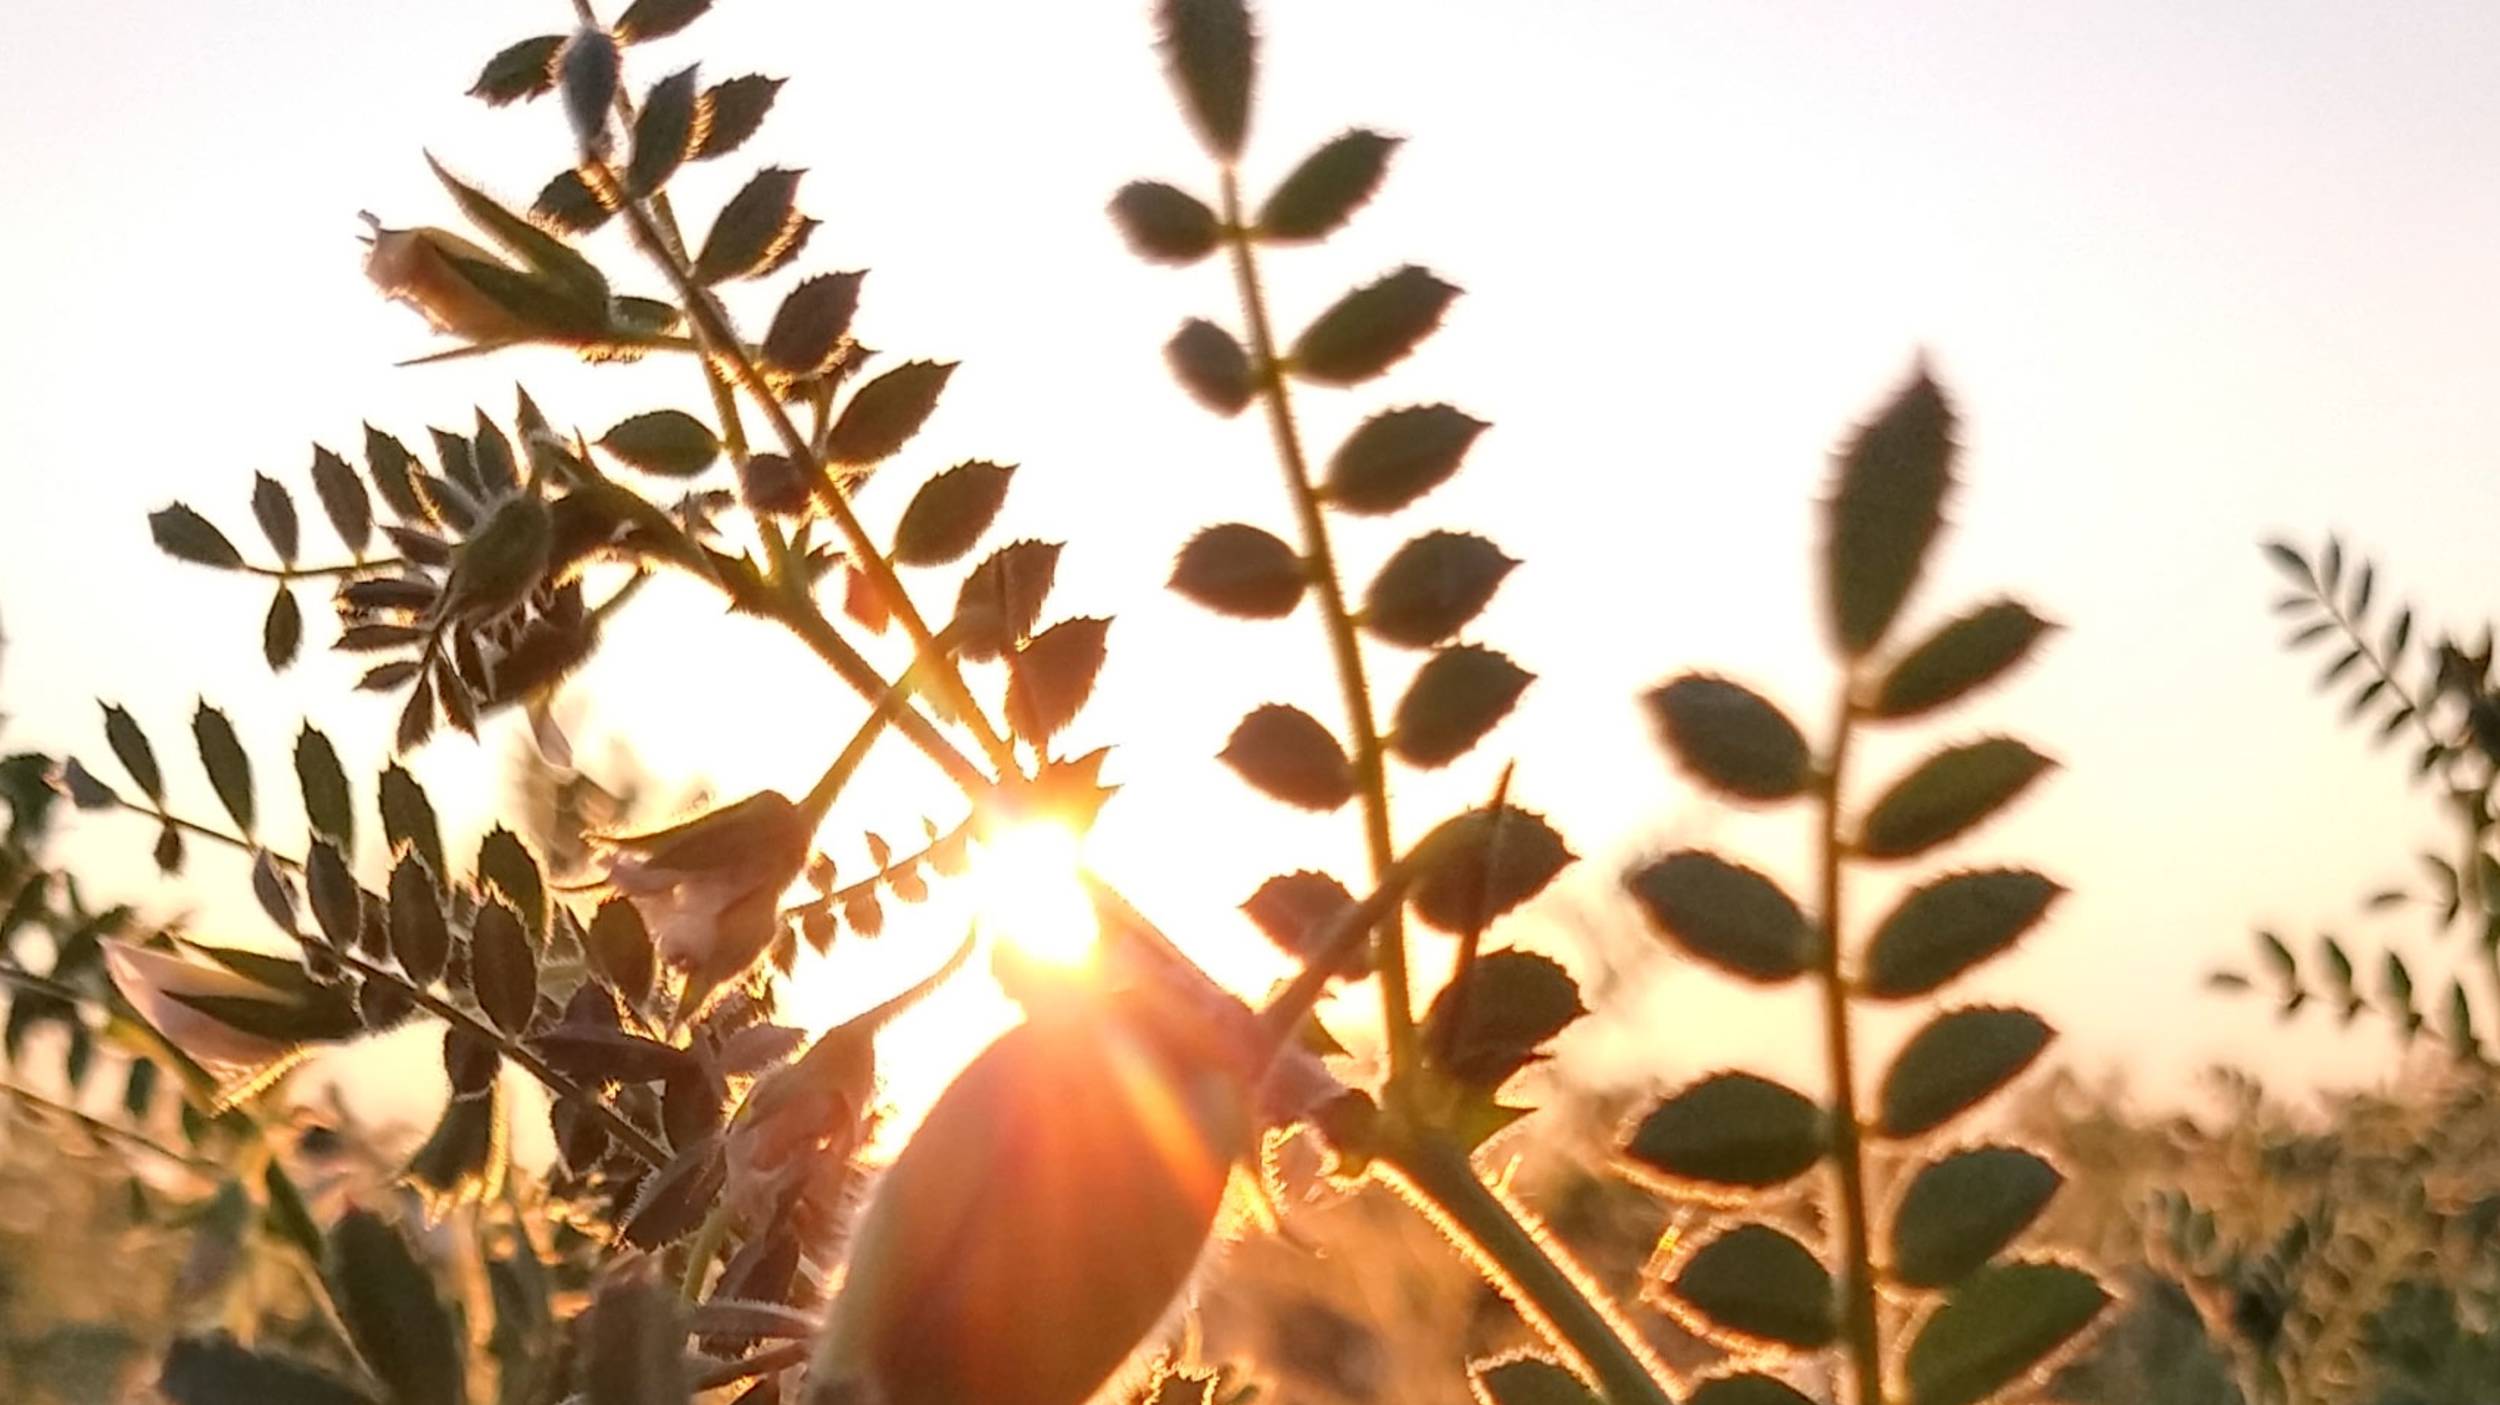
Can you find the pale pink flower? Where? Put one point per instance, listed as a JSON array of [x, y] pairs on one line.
[[151, 980]]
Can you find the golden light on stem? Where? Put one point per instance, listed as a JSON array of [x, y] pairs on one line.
[[1031, 893]]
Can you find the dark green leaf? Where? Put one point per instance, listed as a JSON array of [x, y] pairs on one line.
[[274, 891], [620, 952], [1958, 1212], [282, 630], [809, 326], [1999, 1325], [1372, 328], [2289, 560], [343, 499], [337, 903], [1475, 867], [326, 801], [229, 770], [586, 71], [408, 821], [85, 792], [1397, 456], [1327, 188], [420, 940], [1211, 366], [754, 229], [1432, 587], [1885, 510], [580, 284], [506, 866], [1731, 738], [130, 747], [217, 1371], [1212, 54], [1745, 1388], [645, 20], [1732, 1129], [664, 133], [669, 443], [1516, 1001], [1237, 569], [502, 968], [1163, 224], [567, 203], [1531, 1380], [1455, 699], [885, 413], [393, 467], [1726, 914], [1953, 1064], [1296, 910], [1964, 655], [947, 516], [1950, 925], [187, 536], [522, 70], [1947, 795], [1049, 679], [274, 508], [735, 108], [1002, 598], [389, 1304], [1759, 1285], [168, 851], [633, 1343], [1291, 756]]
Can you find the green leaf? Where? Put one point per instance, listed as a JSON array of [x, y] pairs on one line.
[[566, 202], [1756, 1284], [1327, 188], [330, 889], [1731, 738], [1530, 1380], [1950, 792], [1455, 699], [573, 277], [2288, 559], [1745, 1388], [1290, 755], [187, 536], [229, 770], [1884, 512], [326, 801], [947, 516], [1002, 598], [1951, 925], [1163, 224], [884, 414], [1954, 1063], [1726, 914], [1432, 587], [632, 1349], [586, 73], [1295, 910], [1960, 1211], [343, 499], [1211, 366], [420, 940], [282, 630], [389, 1304], [1999, 1325], [1239, 570], [1516, 1001], [217, 1371], [502, 968], [1212, 55], [664, 133], [1397, 456], [1732, 1129], [274, 508], [667, 443], [1049, 679], [736, 109], [130, 747], [505, 865], [809, 326], [1475, 867], [522, 70], [619, 950], [393, 469], [646, 20], [1966, 654], [408, 820], [754, 229], [1372, 328]]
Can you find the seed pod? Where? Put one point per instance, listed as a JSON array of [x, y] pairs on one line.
[[437, 273]]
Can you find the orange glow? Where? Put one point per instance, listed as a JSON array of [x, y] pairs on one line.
[[1031, 894]]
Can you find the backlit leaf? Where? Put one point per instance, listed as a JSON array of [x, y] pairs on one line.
[[885, 413], [1759, 1285], [1049, 679], [1002, 598], [1949, 925], [282, 630], [1884, 512], [1530, 1380], [754, 229], [393, 469], [1948, 794], [947, 516], [1291, 756], [1397, 456], [1432, 587], [506, 866], [131, 748], [1210, 51], [1731, 738], [1455, 699], [330, 890], [1240, 570], [420, 939], [1953, 1064], [809, 326], [1966, 654], [1997, 1326], [1163, 224], [664, 133], [522, 70], [1211, 366], [618, 947], [586, 75], [645, 20], [1960, 1211], [217, 1371], [390, 1306], [1475, 867], [1732, 1129], [1516, 1002], [1726, 914], [229, 770], [1296, 910], [735, 109], [408, 820], [187, 536], [274, 508], [1372, 328], [1327, 188], [343, 499], [502, 968], [667, 443]]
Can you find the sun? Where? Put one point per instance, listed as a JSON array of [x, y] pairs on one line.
[[1031, 894]]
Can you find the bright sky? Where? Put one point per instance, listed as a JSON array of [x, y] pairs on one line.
[[2197, 275]]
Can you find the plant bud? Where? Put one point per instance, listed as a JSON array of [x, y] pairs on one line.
[[155, 982], [772, 484], [501, 562], [710, 889], [437, 272]]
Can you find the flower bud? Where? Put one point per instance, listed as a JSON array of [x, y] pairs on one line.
[[710, 889], [501, 562], [446, 279], [155, 983]]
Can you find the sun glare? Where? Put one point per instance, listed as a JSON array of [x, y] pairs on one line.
[[1032, 896]]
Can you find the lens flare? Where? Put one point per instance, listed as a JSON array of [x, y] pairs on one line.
[[1032, 896]]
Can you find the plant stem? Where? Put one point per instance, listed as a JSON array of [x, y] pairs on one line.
[[1555, 1294], [306, 573], [1860, 1327], [1370, 777], [102, 1130], [706, 1247]]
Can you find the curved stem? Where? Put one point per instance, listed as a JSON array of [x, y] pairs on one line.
[[707, 1246], [1860, 1326], [1555, 1294], [1370, 777], [306, 573]]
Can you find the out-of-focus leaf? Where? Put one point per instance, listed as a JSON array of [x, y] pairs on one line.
[[1953, 1064], [1432, 587], [1291, 756], [1950, 925], [1947, 795], [1372, 328], [1475, 867], [1457, 697], [390, 1306], [1731, 738], [1324, 191], [1756, 1284], [1163, 224], [1884, 512], [1728, 915], [229, 770], [1211, 366], [1996, 1327], [1732, 1129], [518, 71], [1236, 569], [1958, 1212], [1212, 55], [1968, 653]]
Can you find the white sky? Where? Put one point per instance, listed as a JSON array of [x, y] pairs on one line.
[[2197, 275]]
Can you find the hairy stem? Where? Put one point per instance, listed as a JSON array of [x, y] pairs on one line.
[[1556, 1295], [1860, 1327], [306, 573], [1370, 776]]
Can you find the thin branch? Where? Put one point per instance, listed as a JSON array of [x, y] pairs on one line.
[[1860, 1323]]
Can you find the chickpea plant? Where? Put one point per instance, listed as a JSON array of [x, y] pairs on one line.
[[708, 1202]]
